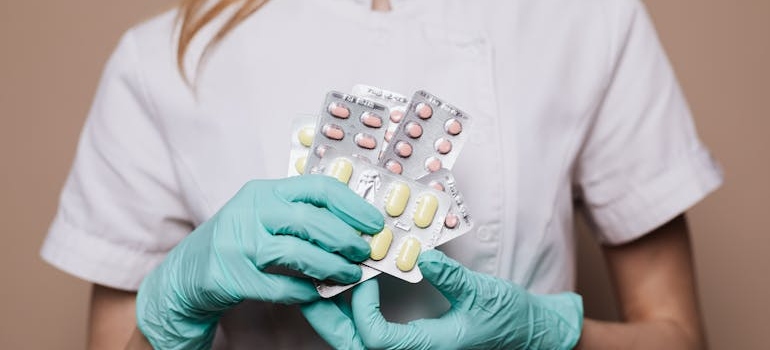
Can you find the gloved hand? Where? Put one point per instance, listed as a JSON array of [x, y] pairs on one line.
[[306, 223], [486, 313]]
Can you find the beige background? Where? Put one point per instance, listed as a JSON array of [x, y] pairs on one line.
[[52, 52]]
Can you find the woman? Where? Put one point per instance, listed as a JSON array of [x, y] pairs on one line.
[[574, 104]]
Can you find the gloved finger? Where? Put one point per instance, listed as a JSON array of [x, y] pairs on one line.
[[332, 324], [283, 289], [343, 305], [307, 258], [324, 191], [450, 278], [375, 331], [319, 226]]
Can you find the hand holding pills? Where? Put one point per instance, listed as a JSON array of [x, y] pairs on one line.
[[309, 224], [486, 313]]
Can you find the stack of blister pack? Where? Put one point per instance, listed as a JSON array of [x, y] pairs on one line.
[[396, 154]]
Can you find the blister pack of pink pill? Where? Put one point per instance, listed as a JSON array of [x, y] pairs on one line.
[[408, 179]]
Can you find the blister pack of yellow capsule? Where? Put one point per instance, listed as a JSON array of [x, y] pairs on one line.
[[350, 124], [429, 137], [395, 102], [302, 134], [414, 212]]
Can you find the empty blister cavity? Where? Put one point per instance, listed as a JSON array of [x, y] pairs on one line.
[[380, 244], [397, 198], [408, 254], [425, 210]]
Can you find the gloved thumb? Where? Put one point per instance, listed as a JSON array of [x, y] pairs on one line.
[[453, 280]]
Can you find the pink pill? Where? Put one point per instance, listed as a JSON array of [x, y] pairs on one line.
[[320, 151], [453, 127], [333, 132], [396, 116], [365, 141], [437, 185], [413, 130], [388, 135], [371, 120], [394, 166], [451, 220], [403, 149], [423, 111], [339, 110], [443, 146], [432, 164]]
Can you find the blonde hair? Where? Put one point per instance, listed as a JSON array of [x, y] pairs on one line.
[[194, 15]]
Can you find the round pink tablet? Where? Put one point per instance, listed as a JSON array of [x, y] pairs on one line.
[[451, 220], [453, 127], [423, 111], [437, 185], [432, 164], [443, 146], [371, 120], [413, 129], [388, 135], [365, 141], [396, 115], [394, 166], [403, 149], [333, 132], [339, 110]]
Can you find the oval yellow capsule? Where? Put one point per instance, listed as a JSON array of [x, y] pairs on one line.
[[305, 136], [397, 198], [341, 169], [407, 255], [425, 210], [380, 244], [299, 165]]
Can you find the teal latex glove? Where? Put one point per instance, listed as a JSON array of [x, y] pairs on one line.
[[305, 223], [486, 313]]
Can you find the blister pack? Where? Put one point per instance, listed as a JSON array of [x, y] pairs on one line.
[[458, 220], [429, 137], [351, 125], [395, 102], [302, 134], [414, 212]]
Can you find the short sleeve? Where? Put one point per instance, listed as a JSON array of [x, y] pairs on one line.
[[641, 163], [121, 210]]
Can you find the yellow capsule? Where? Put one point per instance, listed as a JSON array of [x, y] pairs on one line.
[[305, 136], [380, 244], [396, 199], [407, 255], [341, 169], [425, 210], [299, 165]]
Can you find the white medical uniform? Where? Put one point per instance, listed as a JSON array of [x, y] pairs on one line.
[[573, 102]]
